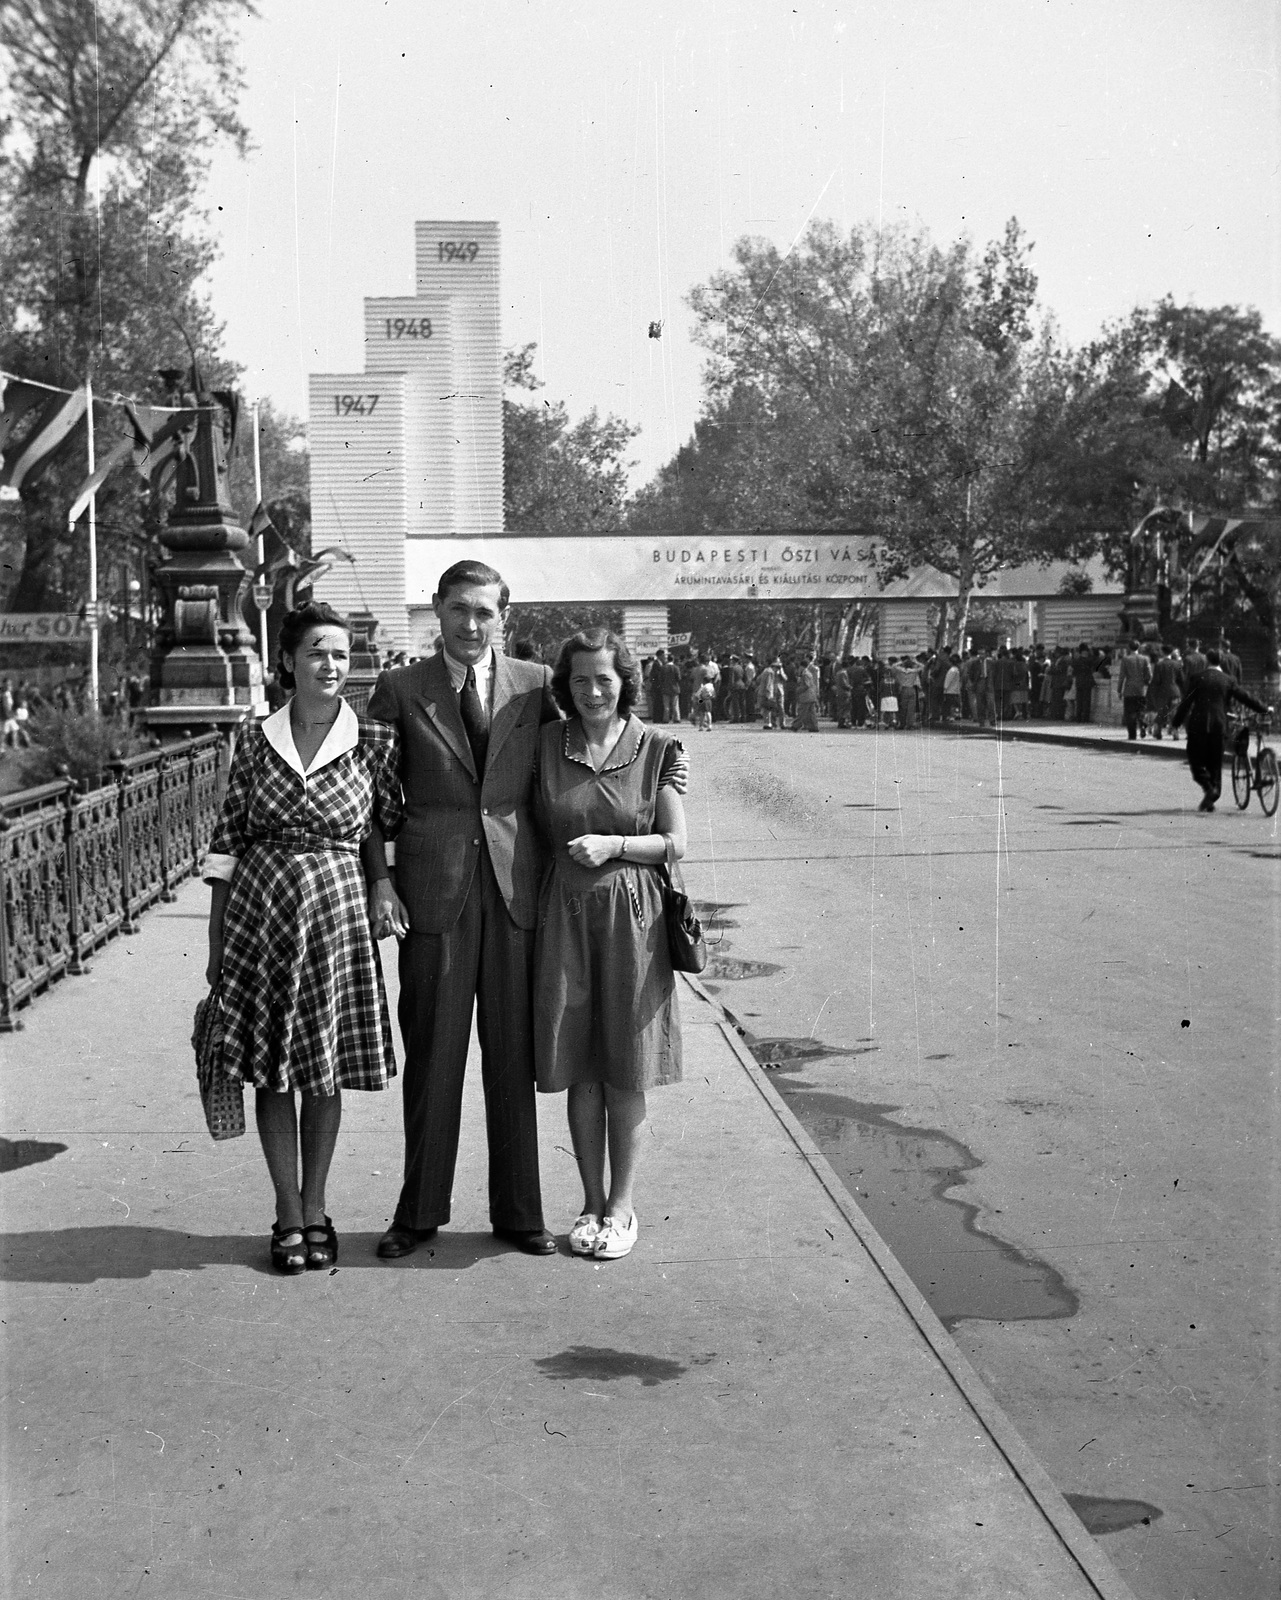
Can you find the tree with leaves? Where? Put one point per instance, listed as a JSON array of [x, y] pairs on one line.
[[879, 381], [559, 478], [114, 106]]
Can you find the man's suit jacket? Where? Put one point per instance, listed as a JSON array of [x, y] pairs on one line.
[[449, 807]]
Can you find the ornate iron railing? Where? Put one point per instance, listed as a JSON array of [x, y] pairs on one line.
[[79, 865]]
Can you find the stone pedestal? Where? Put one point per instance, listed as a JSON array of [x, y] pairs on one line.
[[205, 669], [1140, 616]]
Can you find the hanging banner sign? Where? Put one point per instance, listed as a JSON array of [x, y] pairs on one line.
[[42, 627], [732, 567]]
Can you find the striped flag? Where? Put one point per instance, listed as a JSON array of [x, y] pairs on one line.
[[17, 400], [115, 457], [161, 437], [56, 423]]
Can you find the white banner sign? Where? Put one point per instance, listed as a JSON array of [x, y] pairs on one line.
[[609, 568], [42, 627]]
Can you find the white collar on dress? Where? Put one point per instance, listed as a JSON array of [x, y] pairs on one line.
[[342, 737]]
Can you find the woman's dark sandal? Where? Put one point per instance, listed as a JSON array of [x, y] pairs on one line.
[[322, 1245], [288, 1258]]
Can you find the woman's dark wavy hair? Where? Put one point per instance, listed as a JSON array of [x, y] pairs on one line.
[[295, 628], [587, 640]]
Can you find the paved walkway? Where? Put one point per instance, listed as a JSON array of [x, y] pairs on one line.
[[755, 1403]]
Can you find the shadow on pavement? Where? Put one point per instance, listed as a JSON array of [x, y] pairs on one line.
[[85, 1255], [15, 1153]]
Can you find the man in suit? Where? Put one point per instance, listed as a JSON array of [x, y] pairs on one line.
[[1133, 678], [467, 867], [1205, 709]]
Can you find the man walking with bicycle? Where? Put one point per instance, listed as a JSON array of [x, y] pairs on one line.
[[1205, 709]]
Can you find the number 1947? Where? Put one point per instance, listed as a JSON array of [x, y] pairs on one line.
[[359, 405]]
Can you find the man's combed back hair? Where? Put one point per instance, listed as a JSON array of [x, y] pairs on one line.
[[472, 575]]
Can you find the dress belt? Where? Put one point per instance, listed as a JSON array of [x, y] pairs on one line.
[[301, 844]]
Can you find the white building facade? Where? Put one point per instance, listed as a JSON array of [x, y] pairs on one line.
[[411, 449]]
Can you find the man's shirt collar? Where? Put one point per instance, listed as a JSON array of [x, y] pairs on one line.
[[457, 671]]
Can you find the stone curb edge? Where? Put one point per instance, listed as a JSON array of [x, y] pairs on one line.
[[1170, 751], [1080, 1545]]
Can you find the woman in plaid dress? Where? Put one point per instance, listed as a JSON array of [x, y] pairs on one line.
[[289, 935]]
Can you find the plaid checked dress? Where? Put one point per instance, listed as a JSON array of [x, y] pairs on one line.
[[303, 993]]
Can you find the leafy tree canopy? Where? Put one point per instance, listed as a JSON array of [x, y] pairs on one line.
[[560, 478], [114, 107], [880, 381]]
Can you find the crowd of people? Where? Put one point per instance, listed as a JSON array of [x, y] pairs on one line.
[[932, 688], [22, 701]]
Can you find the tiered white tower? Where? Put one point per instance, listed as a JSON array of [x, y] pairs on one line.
[[412, 447]]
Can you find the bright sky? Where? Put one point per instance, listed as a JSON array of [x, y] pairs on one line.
[[624, 146]]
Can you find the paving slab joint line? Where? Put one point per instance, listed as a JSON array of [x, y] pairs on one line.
[[1080, 1545]]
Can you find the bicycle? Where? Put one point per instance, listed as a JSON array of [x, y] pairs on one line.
[[1254, 774]]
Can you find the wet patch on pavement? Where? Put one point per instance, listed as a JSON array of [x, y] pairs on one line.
[[603, 1365], [15, 1153], [900, 1177], [732, 967], [790, 1055], [1110, 1516], [709, 913]]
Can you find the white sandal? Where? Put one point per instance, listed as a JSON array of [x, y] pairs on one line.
[[615, 1239], [584, 1233]]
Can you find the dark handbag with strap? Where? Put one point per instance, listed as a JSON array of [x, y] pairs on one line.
[[685, 942]]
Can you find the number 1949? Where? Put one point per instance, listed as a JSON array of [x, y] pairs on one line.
[[464, 250]]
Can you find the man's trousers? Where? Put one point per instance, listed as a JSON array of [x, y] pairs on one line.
[[484, 958]]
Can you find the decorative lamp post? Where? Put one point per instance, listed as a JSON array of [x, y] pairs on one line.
[[205, 670]]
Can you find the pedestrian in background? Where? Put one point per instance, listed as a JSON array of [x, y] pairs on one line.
[[1165, 690], [1133, 678], [842, 693], [807, 694], [769, 695], [952, 691], [704, 699], [1083, 665], [1194, 663]]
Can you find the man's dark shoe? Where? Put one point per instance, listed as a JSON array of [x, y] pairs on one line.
[[533, 1241], [398, 1241]]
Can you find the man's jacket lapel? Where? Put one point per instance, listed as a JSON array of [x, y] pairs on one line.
[[435, 694], [507, 703]]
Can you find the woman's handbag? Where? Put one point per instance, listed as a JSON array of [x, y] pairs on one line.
[[685, 942], [221, 1096]]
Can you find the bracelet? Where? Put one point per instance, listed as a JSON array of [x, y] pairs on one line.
[[622, 846]]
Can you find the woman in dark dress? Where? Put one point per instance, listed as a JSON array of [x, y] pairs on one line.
[[290, 944], [1205, 709], [606, 1026]]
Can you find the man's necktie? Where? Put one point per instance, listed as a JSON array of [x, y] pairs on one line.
[[473, 715]]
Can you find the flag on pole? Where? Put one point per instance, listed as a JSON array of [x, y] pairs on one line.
[[161, 438], [17, 400], [116, 456], [56, 423], [260, 524]]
